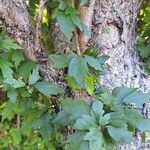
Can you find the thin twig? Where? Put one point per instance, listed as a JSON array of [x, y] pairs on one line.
[[86, 16], [18, 121], [18, 126], [77, 42], [11, 147], [38, 25]]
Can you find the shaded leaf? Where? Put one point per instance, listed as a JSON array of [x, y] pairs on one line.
[[97, 108], [72, 83], [78, 69], [137, 98], [25, 68], [92, 52], [34, 77], [121, 135], [76, 141], [60, 61], [17, 57], [93, 63], [9, 44], [85, 122], [144, 125], [122, 92], [12, 94], [76, 108], [6, 69], [95, 138], [66, 25], [48, 89], [16, 136]]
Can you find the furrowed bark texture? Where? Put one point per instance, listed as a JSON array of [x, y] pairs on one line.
[[114, 32], [115, 24], [14, 17]]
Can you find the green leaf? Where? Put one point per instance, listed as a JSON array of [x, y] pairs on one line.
[[109, 143], [137, 98], [105, 119], [5, 67], [62, 118], [60, 61], [7, 110], [143, 49], [117, 118], [66, 25], [9, 44], [72, 83], [122, 92], [92, 52], [76, 141], [121, 135], [93, 63], [102, 59], [17, 57], [45, 126], [16, 136], [30, 119], [93, 134], [23, 92], [71, 11], [97, 108], [107, 98], [95, 138], [78, 69], [48, 89], [131, 96], [12, 94], [85, 122], [76, 108], [147, 65], [25, 68], [34, 77], [62, 5], [133, 117], [89, 84], [15, 83], [76, 20], [144, 125]]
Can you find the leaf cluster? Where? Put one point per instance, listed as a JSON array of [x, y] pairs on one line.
[[110, 120], [82, 70]]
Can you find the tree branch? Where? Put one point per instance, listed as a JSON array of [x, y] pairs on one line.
[[86, 15], [38, 25]]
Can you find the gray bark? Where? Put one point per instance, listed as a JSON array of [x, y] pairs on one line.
[[115, 34]]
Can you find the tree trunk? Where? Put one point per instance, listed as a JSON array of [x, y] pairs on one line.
[[114, 24], [115, 34]]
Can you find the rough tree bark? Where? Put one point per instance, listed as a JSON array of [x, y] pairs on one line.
[[115, 34], [14, 17], [114, 23]]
